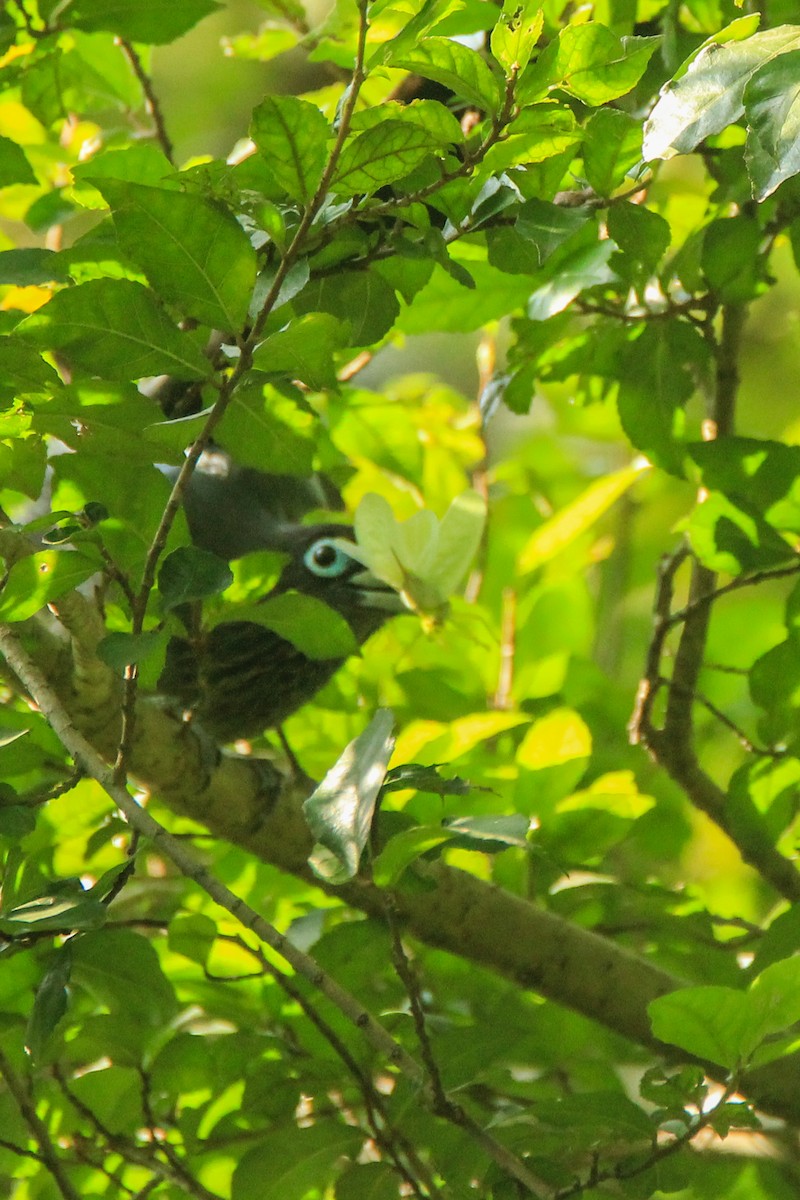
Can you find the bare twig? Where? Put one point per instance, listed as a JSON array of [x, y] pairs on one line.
[[47, 1150], [152, 102]]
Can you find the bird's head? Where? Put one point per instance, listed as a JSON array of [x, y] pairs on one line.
[[320, 566]]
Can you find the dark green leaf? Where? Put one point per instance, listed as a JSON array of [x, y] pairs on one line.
[[308, 623], [425, 779], [23, 372], [612, 147], [26, 267], [659, 375], [115, 328], [362, 298], [190, 573], [193, 935], [193, 252], [304, 351], [730, 258], [267, 428], [456, 66], [289, 1162], [642, 235], [67, 909], [382, 155], [148, 21], [292, 135], [120, 969], [731, 536], [117, 650], [50, 1003], [14, 166]]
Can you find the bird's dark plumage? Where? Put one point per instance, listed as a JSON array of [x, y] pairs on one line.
[[241, 678]]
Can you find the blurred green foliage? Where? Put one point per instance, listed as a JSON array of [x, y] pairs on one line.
[[532, 251]]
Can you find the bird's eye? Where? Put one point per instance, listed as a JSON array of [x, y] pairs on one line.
[[324, 558]]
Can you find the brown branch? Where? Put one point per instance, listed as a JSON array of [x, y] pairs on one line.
[[152, 103], [672, 744], [173, 849]]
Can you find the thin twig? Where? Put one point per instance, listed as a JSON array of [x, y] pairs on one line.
[[141, 820], [152, 103], [394, 1145], [47, 1150]]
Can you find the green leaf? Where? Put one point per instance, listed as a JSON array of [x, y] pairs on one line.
[[120, 970], [341, 809], [190, 573], [591, 63], [305, 351], [289, 1163], [772, 107], [731, 258], [516, 33], [540, 132], [115, 328], [192, 935], [118, 650], [382, 155], [292, 135], [731, 536], [24, 267], [66, 909], [429, 115], [424, 779], [193, 252], [14, 166], [548, 226], [659, 374], [312, 626], [764, 474], [148, 21], [560, 737], [490, 834], [612, 147], [267, 429], [50, 1003], [405, 848], [775, 995], [362, 298], [454, 65], [641, 234], [23, 372], [39, 578], [577, 270], [715, 1023], [710, 95], [571, 522]]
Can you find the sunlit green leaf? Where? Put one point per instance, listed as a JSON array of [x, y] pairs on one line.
[[116, 329], [193, 253], [39, 578]]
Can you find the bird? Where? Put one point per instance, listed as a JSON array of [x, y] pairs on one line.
[[241, 678]]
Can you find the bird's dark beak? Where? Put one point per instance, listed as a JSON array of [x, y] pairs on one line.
[[374, 593]]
